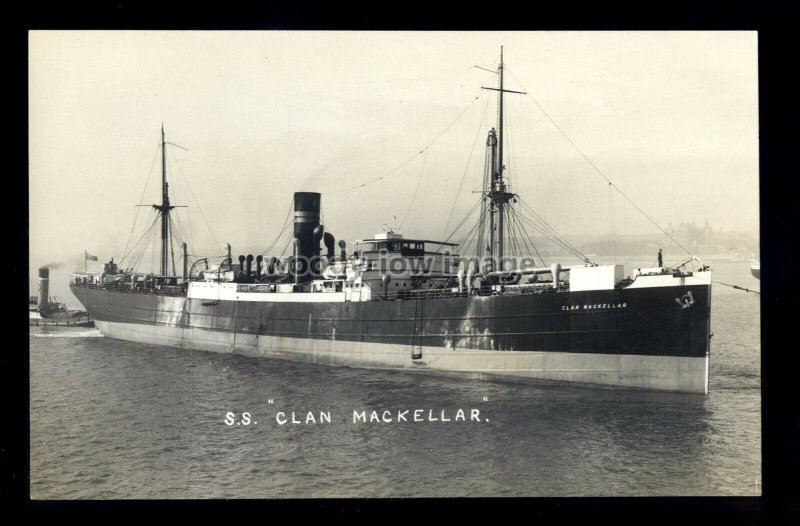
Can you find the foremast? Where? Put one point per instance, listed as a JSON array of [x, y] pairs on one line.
[[497, 195]]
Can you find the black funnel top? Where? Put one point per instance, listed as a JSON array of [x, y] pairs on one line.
[[308, 202]]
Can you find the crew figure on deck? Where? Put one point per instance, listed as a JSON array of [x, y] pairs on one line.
[[660, 260]]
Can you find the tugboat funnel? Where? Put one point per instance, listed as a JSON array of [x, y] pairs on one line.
[[44, 289]]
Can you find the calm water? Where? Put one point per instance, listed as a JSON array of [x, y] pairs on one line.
[[111, 419]]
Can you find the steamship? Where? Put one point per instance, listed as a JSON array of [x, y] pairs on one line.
[[415, 304]]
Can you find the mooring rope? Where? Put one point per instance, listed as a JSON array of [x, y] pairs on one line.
[[735, 287]]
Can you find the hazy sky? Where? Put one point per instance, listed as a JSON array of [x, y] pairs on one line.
[[669, 117]]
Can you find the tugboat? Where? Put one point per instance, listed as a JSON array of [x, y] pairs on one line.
[[45, 310], [418, 305]]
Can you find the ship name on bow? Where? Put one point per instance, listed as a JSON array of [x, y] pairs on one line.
[[595, 306]]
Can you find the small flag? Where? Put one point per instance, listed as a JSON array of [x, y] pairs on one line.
[[89, 257]]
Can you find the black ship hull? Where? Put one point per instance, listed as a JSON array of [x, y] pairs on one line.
[[635, 337]]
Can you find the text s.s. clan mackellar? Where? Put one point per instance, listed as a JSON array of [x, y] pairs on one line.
[[357, 416]]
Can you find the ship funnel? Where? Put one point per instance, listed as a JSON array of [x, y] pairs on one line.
[[306, 221], [259, 265], [44, 289]]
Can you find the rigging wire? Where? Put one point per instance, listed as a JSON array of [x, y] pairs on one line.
[[546, 228], [189, 222], [144, 191], [736, 287], [141, 244], [392, 171], [518, 239], [507, 126], [466, 241], [151, 235], [188, 233], [537, 226], [184, 236], [146, 239], [519, 232], [142, 250], [596, 169], [466, 168], [519, 227], [152, 258], [613, 226], [537, 169], [172, 222], [288, 241], [416, 190], [568, 247], [464, 220], [481, 228], [535, 249], [283, 228], [518, 235], [202, 214], [548, 231], [181, 231], [510, 234], [516, 218]]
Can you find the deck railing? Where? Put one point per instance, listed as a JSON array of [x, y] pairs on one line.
[[126, 289], [476, 291], [376, 295]]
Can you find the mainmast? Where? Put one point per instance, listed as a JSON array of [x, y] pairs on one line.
[[165, 207], [496, 192]]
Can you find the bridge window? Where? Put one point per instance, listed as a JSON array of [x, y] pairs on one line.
[[412, 249]]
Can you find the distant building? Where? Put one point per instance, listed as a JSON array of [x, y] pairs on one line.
[[692, 236]]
